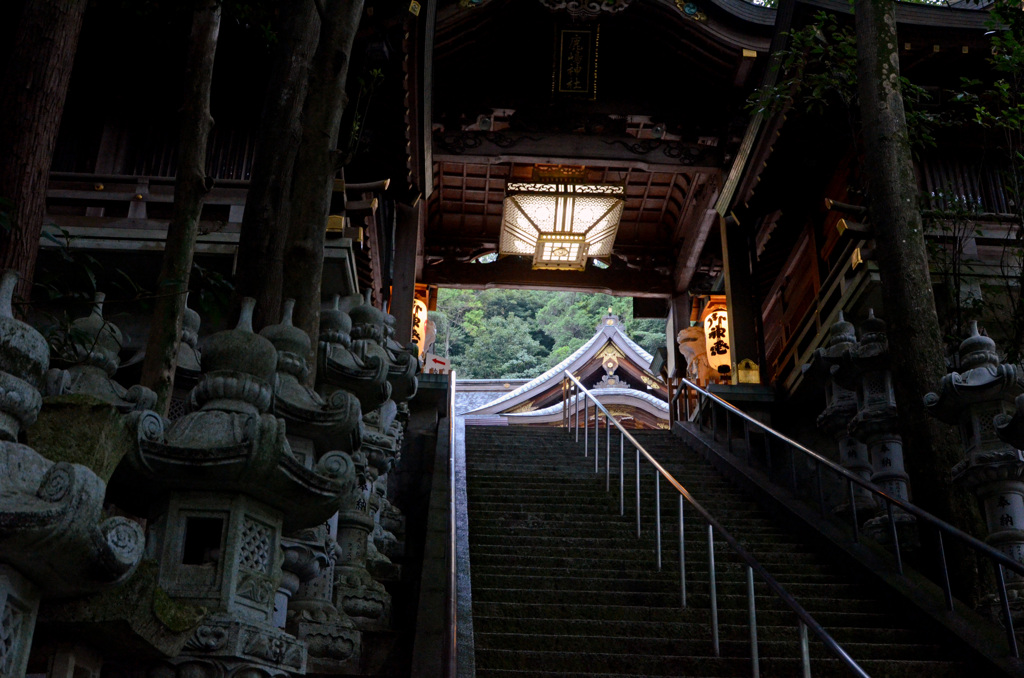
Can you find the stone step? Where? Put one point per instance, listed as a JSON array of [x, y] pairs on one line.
[[699, 628], [728, 646], [586, 664], [563, 587]]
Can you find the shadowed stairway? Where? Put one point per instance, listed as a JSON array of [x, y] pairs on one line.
[[562, 586]]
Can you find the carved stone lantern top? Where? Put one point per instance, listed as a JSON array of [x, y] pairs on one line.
[[349, 357], [368, 322], [982, 379], [335, 324], [97, 340], [841, 402], [97, 344], [230, 444], [332, 423], [978, 399], [292, 344], [188, 350], [252, 357], [842, 334], [24, 359], [52, 526]]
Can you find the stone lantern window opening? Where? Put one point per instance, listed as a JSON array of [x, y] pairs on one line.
[[204, 540]]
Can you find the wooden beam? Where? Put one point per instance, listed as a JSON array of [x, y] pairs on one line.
[[517, 273]]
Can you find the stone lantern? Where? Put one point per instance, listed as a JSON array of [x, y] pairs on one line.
[[840, 409], [228, 487], [404, 364], [316, 426], [976, 400], [865, 370], [97, 343], [343, 366], [54, 538], [356, 592]]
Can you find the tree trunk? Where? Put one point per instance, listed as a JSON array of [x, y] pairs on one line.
[[915, 340], [34, 86], [315, 164], [265, 223], [190, 188]]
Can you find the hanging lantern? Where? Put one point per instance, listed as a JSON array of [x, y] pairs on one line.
[[419, 325], [716, 337]]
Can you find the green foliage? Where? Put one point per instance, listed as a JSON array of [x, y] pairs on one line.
[[996, 107], [506, 349], [521, 333], [818, 71]]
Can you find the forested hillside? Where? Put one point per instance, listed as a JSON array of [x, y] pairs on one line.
[[521, 333]]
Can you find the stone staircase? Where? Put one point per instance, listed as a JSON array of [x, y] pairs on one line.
[[562, 586]]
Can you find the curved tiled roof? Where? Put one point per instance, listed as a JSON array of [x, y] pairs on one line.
[[630, 392], [617, 336]]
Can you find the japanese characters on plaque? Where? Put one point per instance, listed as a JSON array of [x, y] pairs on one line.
[[576, 61]]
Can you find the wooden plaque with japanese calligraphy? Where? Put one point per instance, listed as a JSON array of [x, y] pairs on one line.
[[575, 73]]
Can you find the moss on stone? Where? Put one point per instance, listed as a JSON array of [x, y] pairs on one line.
[[176, 615], [82, 429]]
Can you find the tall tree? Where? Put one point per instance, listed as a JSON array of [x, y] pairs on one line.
[[190, 188], [265, 222], [915, 339], [317, 160], [32, 92]]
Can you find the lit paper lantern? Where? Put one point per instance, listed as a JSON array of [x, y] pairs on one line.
[[716, 338], [419, 325]]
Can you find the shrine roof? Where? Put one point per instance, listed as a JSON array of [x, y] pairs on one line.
[[606, 333]]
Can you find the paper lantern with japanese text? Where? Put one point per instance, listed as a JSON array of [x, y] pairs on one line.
[[419, 324], [716, 336]]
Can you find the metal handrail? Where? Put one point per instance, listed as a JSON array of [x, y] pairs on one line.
[[998, 559], [572, 389], [453, 580]]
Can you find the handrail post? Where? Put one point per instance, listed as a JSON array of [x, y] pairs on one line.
[[755, 664], [711, 588], [853, 511], [1011, 638], [714, 423], [597, 433], [895, 538], [607, 454], [945, 573], [453, 580], [728, 431], [657, 514], [821, 490], [586, 425], [622, 453], [805, 650], [638, 493], [682, 554], [576, 411]]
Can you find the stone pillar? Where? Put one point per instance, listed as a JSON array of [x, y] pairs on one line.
[[19, 604], [233, 490], [840, 409], [865, 369], [55, 538], [356, 593], [978, 399], [333, 641], [739, 294]]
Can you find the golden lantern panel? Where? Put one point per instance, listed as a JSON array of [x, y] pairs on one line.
[[560, 225]]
